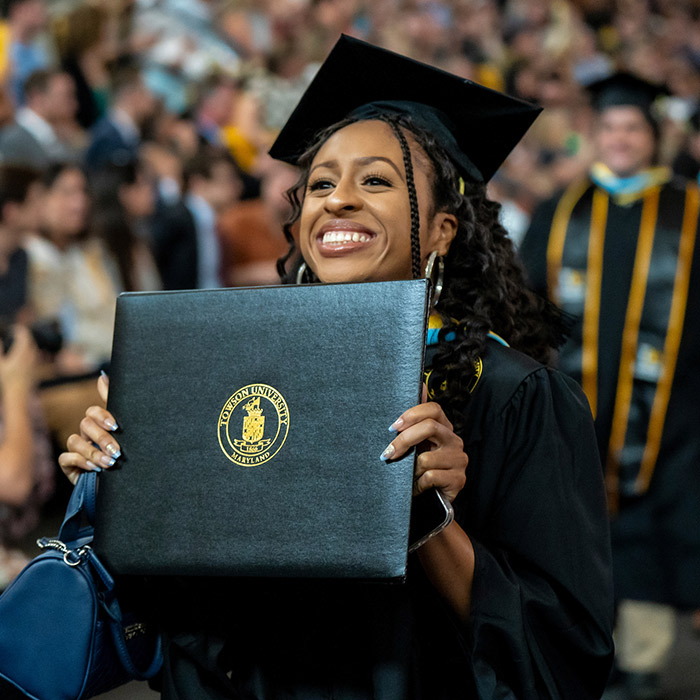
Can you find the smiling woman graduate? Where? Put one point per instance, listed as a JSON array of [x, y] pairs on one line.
[[514, 598]]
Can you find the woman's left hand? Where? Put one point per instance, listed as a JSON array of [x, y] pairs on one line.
[[441, 461]]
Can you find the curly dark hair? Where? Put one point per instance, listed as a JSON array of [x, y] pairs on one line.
[[484, 284]]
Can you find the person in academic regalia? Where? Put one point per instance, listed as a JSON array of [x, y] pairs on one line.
[[513, 599], [618, 251]]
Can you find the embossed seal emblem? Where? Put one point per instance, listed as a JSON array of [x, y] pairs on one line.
[[253, 425]]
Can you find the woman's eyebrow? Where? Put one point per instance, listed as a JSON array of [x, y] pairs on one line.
[[366, 160], [370, 159], [325, 164]]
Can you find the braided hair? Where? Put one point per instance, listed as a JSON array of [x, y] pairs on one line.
[[484, 287], [412, 197]]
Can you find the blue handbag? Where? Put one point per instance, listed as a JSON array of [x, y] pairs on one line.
[[62, 632]]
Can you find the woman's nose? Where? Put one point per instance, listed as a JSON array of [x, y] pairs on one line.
[[345, 197]]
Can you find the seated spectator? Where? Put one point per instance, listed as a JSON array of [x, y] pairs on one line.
[[26, 19], [123, 199], [214, 108], [7, 112], [33, 139], [185, 235], [226, 115], [165, 165], [68, 272], [116, 137], [69, 282], [15, 186], [244, 134], [84, 48], [251, 231], [182, 45], [26, 467]]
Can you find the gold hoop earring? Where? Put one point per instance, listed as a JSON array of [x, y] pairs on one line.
[[440, 277]]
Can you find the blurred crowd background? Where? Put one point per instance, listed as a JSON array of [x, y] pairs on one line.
[[133, 156]]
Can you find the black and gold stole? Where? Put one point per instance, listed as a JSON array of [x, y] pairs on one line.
[[653, 321]]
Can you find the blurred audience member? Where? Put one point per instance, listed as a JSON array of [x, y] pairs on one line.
[[228, 115], [251, 231], [184, 46], [68, 272], [248, 25], [214, 108], [123, 199], [69, 282], [116, 138], [15, 200], [280, 86], [7, 109], [589, 63], [185, 235], [179, 133], [559, 132], [24, 54], [85, 47], [26, 467], [683, 82], [245, 134], [33, 139], [165, 166]]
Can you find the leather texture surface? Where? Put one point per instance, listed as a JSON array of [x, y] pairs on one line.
[[347, 360]]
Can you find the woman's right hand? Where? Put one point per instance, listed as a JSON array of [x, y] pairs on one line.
[[95, 448]]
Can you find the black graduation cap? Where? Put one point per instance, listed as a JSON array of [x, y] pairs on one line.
[[625, 89], [477, 126]]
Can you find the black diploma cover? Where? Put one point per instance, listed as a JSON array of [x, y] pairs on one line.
[[251, 423]]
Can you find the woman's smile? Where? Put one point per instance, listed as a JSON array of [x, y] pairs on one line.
[[342, 237]]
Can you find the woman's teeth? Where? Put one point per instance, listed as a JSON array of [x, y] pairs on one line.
[[345, 237]]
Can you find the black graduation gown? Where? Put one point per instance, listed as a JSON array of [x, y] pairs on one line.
[[541, 618], [655, 501]]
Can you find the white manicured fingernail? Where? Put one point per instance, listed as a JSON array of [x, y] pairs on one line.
[[113, 450], [387, 453], [396, 425]]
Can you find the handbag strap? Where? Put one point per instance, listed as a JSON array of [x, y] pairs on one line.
[[74, 534], [81, 505], [110, 604]]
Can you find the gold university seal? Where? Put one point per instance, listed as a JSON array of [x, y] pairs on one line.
[[253, 425]]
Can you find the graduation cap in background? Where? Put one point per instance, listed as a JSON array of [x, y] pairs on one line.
[[477, 126], [624, 90]]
